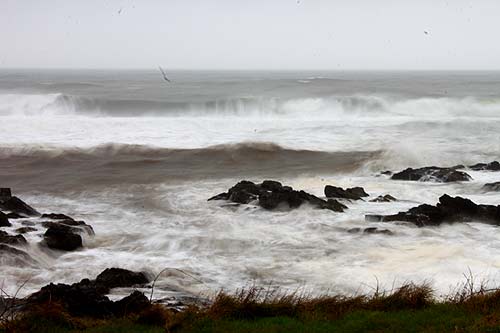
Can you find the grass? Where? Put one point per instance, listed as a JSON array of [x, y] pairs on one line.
[[411, 308]]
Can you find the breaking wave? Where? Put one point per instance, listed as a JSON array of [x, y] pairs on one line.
[[319, 107], [52, 168]]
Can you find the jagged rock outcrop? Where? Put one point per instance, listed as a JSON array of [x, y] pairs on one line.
[[271, 194], [384, 198], [437, 174], [87, 297], [447, 210], [492, 166], [4, 220], [354, 193]]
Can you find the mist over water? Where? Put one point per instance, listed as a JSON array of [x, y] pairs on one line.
[[137, 158]]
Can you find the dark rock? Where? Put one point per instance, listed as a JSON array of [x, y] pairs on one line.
[[5, 238], [444, 175], [62, 237], [55, 216], [16, 205], [493, 166], [448, 210], [387, 173], [271, 194], [80, 299], [354, 230], [384, 198], [75, 226], [4, 221], [119, 278], [355, 193], [492, 187], [5, 193], [373, 230], [28, 223], [271, 185], [133, 303], [14, 216], [221, 196], [87, 298], [25, 230]]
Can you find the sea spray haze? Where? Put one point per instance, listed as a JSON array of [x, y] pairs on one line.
[[138, 159]]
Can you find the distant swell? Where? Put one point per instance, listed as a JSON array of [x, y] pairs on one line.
[[53, 169], [314, 106]]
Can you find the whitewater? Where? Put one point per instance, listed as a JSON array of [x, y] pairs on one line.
[[137, 159]]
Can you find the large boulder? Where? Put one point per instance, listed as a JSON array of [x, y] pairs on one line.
[[6, 238], [354, 193], [443, 175], [62, 237], [447, 210], [88, 297], [119, 278], [4, 220], [492, 166], [16, 205], [271, 194]]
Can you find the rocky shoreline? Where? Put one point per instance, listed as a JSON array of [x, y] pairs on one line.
[[61, 232]]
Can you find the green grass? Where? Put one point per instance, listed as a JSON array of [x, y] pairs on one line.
[[438, 318], [410, 308]]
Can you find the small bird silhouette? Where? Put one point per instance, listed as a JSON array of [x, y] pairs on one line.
[[426, 32], [164, 74], [120, 11]]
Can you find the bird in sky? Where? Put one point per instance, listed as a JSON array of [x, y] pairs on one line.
[[164, 74], [426, 32]]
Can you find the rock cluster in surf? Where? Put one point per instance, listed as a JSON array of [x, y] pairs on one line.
[[447, 210], [55, 231], [271, 194], [88, 297]]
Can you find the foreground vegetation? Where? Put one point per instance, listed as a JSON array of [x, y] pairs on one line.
[[410, 308]]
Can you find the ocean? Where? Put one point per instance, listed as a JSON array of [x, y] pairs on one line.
[[137, 158]]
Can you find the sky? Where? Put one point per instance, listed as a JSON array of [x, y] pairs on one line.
[[251, 34]]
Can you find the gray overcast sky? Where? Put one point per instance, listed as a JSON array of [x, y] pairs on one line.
[[251, 34]]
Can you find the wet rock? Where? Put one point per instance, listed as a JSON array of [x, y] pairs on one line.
[[384, 198], [87, 297], [386, 173], [28, 223], [355, 193], [5, 193], [443, 175], [75, 226], [133, 303], [220, 196], [493, 166], [16, 205], [370, 230], [120, 278], [4, 221], [374, 230], [5, 238], [62, 237], [55, 216], [24, 230], [80, 299], [14, 216], [272, 194], [447, 210], [492, 187]]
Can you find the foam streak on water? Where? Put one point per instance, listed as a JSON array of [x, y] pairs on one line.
[[137, 159]]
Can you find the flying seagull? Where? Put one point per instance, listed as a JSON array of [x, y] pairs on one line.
[[164, 75], [426, 32]]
